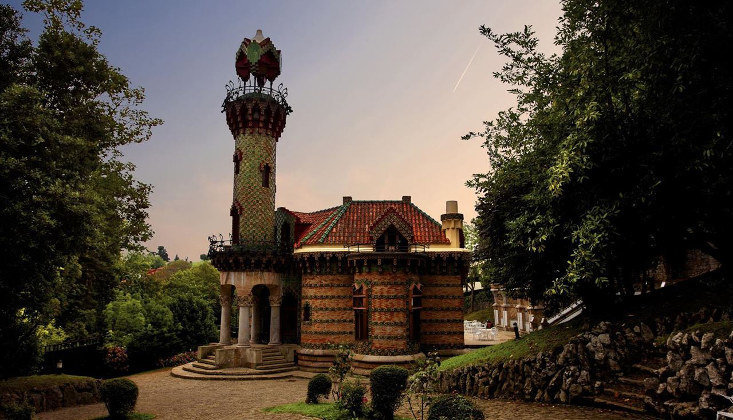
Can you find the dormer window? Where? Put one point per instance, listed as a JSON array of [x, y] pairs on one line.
[[391, 241], [265, 170]]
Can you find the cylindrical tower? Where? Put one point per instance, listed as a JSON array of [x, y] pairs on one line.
[[255, 113]]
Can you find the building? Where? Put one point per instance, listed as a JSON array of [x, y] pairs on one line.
[[382, 277]]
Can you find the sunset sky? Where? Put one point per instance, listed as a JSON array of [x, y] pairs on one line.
[[377, 112]]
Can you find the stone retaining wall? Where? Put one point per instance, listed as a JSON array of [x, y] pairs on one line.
[[576, 370], [54, 397]]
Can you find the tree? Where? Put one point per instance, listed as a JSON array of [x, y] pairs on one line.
[[162, 253], [616, 152], [68, 205]]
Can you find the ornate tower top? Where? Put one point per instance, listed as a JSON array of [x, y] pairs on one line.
[[258, 57]]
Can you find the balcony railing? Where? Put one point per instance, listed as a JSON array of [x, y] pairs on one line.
[[386, 248], [218, 244], [241, 89]]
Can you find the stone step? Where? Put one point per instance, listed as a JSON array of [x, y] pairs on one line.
[[637, 383], [613, 404], [625, 394], [272, 357], [234, 371], [646, 369], [203, 366], [210, 362], [179, 372], [275, 366]]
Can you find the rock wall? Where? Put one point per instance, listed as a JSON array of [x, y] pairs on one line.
[[698, 371], [54, 397], [576, 370]]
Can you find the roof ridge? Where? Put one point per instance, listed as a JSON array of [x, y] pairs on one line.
[[335, 220], [323, 223], [426, 215], [313, 212]]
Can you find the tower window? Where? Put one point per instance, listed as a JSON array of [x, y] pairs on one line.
[[361, 328], [415, 308], [265, 175], [307, 312], [234, 212], [236, 161]]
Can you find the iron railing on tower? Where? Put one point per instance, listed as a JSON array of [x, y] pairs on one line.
[[241, 90], [217, 244]]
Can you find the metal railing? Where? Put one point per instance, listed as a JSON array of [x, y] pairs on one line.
[[218, 244], [93, 340], [386, 248], [241, 89]]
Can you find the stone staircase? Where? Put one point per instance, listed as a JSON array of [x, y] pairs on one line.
[[629, 391], [273, 366]]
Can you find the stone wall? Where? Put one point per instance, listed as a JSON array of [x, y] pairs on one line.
[[576, 370], [697, 372], [54, 397]]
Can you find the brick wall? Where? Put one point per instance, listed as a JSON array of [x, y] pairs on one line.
[[332, 316], [442, 314]]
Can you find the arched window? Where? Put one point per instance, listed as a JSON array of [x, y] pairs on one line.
[[307, 312], [265, 175], [234, 212], [361, 328], [236, 161], [415, 307]]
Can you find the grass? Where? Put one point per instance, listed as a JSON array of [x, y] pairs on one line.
[[327, 411], [26, 383], [134, 416], [720, 329], [480, 315], [529, 345]]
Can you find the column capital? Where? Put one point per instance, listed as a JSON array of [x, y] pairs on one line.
[[276, 300], [244, 300], [225, 300]]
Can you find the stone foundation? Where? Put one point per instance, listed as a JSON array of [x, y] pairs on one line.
[[243, 356]]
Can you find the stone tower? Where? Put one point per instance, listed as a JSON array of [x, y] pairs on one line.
[[255, 113]]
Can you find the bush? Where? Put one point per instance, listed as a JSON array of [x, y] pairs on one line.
[[17, 411], [319, 385], [387, 384], [115, 360], [352, 398], [119, 396], [455, 407]]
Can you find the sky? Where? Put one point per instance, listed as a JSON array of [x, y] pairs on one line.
[[378, 110]]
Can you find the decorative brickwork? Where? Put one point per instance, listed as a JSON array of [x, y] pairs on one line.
[[257, 218]]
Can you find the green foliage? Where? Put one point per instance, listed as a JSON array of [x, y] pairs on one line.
[[124, 318], [387, 384], [50, 334], [318, 386], [352, 398], [17, 411], [422, 384], [340, 367], [196, 322], [163, 254], [26, 383], [482, 315], [69, 205], [546, 339], [454, 407], [119, 396], [616, 152], [327, 411]]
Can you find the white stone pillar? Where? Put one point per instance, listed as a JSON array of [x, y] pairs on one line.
[[225, 335], [275, 302], [245, 303], [255, 331]]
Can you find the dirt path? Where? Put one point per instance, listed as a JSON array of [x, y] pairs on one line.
[[173, 398]]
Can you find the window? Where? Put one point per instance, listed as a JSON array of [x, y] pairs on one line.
[[391, 241], [415, 308], [234, 212], [361, 328], [236, 160], [307, 312], [265, 175]]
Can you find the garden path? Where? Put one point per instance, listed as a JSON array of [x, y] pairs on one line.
[[174, 398]]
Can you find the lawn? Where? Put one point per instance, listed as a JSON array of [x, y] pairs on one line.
[[26, 383], [480, 315], [528, 345], [327, 411]]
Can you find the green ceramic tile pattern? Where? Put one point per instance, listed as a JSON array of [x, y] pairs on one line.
[[335, 220], [257, 222]]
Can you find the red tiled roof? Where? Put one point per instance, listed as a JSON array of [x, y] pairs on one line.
[[350, 223]]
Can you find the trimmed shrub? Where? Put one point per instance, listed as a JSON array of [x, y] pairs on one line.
[[352, 398], [319, 385], [17, 411], [456, 407], [387, 384], [119, 396]]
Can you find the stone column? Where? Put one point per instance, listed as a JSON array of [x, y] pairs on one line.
[[255, 321], [244, 303], [225, 335], [275, 302]]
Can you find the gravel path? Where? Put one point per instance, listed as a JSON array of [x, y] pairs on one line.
[[174, 398]]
